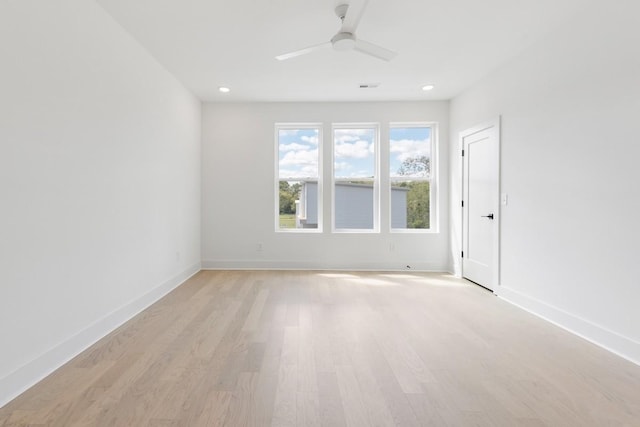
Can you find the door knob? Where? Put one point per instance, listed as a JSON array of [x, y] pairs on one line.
[[490, 216]]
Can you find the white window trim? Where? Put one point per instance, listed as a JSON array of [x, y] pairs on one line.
[[376, 179], [432, 179], [296, 126]]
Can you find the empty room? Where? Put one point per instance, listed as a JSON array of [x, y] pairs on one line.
[[319, 213]]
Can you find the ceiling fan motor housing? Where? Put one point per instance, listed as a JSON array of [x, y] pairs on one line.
[[343, 41]]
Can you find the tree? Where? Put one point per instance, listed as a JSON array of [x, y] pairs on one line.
[[414, 166], [288, 196], [418, 194], [418, 205]]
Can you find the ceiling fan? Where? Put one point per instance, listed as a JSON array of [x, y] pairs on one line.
[[346, 39]]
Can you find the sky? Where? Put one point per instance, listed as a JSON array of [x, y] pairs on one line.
[[298, 153], [354, 151], [406, 143]]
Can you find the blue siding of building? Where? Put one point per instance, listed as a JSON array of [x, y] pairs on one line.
[[310, 194], [353, 206], [398, 208]]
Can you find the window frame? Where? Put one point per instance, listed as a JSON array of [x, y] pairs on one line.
[[298, 126], [431, 179], [376, 178]]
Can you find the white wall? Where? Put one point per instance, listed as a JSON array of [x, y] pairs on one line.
[[238, 191], [99, 183], [570, 149]]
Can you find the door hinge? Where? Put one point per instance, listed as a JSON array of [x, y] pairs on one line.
[[462, 153], [463, 203], [462, 254]]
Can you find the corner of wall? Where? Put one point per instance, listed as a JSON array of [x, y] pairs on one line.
[[620, 345], [34, 371]]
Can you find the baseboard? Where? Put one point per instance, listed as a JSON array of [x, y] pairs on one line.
[[326, 266], [17, 382], [622, 346]]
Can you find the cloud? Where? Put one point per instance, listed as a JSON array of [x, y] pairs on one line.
[[409, 148], [308, 171], [293, 147], [310, 139], [351, 135], [288, 132], [346, 138], [356, 150], [300, 158], [340, 166]]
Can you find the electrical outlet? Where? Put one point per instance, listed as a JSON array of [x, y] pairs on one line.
[[259, 247], [392, 247]]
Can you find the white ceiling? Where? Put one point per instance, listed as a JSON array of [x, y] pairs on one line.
[[450, 43]]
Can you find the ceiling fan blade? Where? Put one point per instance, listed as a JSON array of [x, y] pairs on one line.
[[352, 18], [374, 50], [302, 51]]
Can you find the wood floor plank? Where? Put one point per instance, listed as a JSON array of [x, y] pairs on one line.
[[352, 397], [265, 392], [242, 408], [285, 406], [331, 409], [395, 400], [215, 410], [305, 348], [373, 399]]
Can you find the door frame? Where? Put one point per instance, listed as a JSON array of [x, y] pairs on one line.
[[495, 124]]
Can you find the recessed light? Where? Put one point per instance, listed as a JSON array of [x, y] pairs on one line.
[[224, 89], [427, 88]]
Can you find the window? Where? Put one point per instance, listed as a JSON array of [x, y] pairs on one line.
[[355, 184], [299, 186], [353, 174], [410, 172]]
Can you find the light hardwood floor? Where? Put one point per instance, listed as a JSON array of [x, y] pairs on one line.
[[332, 349]]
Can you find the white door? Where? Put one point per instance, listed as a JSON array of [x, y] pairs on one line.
[[480, 205]]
